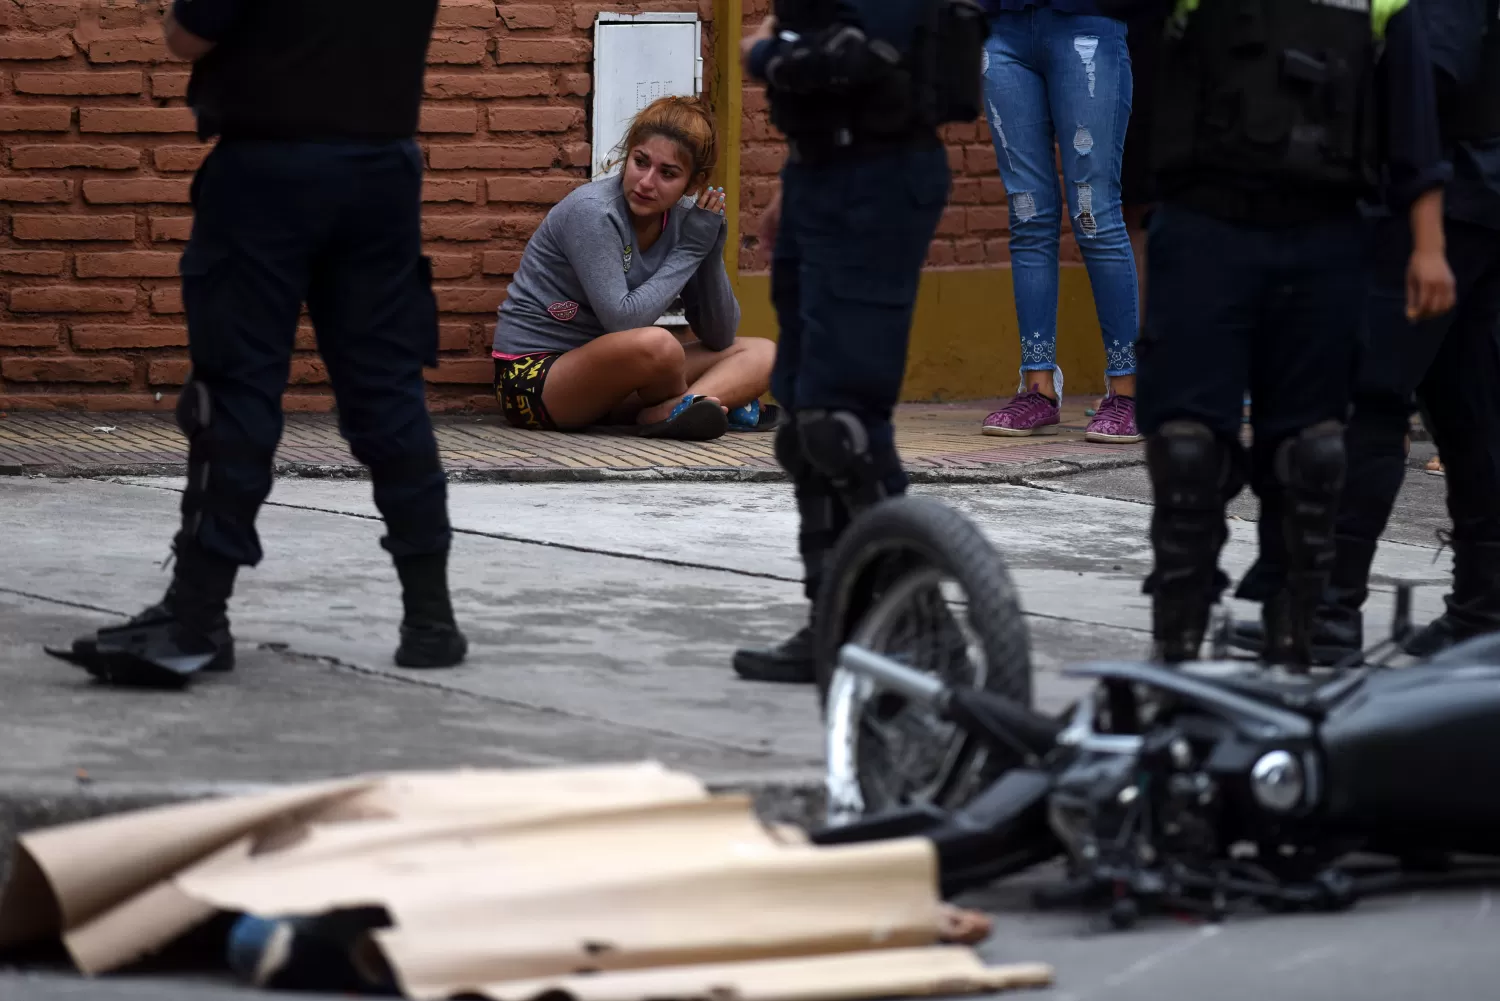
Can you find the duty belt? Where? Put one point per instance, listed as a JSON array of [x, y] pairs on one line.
[[808, 150]]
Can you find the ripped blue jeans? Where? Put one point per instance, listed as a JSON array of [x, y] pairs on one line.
[[1055, 76]]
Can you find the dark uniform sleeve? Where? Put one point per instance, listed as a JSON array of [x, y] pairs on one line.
[[1455, 39], [1413, 150], [210, 20], [1134, 10], [760, 54]]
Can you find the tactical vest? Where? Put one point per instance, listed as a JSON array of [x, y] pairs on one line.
[[1476, 112], [1279, 90], [832, 89], [316, 70]]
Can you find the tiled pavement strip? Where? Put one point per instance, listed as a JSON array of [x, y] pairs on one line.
[[939, 442]]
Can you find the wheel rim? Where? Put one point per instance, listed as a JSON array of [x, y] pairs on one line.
[[882, 752]]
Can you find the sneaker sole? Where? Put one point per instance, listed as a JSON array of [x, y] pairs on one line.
[[1112, 439], [1018, 432]]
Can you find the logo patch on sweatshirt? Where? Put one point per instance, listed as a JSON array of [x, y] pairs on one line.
[[563, 311], [625, 259]]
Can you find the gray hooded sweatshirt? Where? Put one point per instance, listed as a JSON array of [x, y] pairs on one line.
[[582, 275]]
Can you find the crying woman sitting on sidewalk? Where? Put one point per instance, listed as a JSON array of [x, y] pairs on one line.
[[578, 343]]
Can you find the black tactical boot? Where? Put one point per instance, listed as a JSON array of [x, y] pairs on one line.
[[1179, 620], [1287, 618], [1474, 605], [1310, 469], [1193, 475], [164, 646], [429, 635], [790, 662], [1338, 628]]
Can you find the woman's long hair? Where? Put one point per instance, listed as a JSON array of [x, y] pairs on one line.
[[686, 121]]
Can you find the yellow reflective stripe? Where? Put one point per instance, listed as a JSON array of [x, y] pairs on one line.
[[1381, 12]]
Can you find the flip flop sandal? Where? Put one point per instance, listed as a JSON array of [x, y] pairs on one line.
[[754, 416], [696, 418]]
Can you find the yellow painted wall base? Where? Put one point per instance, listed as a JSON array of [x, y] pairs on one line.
[[964, 343]]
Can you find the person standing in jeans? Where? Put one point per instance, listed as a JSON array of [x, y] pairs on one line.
[[1058, 71]]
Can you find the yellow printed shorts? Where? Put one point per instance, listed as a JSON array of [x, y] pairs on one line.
[[518, 387]]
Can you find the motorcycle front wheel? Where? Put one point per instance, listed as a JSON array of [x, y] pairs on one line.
[[916, 581]]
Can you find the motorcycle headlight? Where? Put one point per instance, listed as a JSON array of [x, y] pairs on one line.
[[1277, 781]]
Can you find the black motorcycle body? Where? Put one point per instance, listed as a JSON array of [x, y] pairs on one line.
[[1226, 783]]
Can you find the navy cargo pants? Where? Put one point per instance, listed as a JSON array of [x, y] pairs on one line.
[[849, 252], [336, 226], [1276, 311], [1451, 365]]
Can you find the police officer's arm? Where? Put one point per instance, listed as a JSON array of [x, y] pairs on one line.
[[594, 248], [194, 27], [1131, 10], [757, 48], [1415, 165], [1455, 39], [708, 300]]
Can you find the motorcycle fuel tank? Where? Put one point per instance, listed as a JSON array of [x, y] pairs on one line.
[[1413, 759]]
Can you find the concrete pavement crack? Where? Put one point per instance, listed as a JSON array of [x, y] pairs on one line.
[[62, 601], [595, 551], [526, 540], [285, 650]]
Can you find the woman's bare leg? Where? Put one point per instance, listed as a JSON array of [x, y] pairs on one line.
[[589, 383], [735, 376]]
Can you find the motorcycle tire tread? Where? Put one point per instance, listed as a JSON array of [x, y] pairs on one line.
[[939, 536]]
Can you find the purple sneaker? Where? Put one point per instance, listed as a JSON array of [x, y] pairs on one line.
[[1115, 422], [1023, 415]]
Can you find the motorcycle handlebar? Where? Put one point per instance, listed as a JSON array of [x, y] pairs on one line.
[[893, 676]]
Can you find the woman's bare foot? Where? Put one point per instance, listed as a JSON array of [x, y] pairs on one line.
[[1435, 465], [663, 410]]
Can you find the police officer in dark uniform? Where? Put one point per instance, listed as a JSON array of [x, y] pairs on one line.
[[859, 88], [1450, 363], [1271, 122], [312, 194]]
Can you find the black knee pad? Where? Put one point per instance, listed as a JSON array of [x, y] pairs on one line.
[[788, 450], [194, 408], [836, 444], [1191, 468], [1312, 462]]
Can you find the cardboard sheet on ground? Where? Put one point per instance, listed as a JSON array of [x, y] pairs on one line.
[[617, 883]]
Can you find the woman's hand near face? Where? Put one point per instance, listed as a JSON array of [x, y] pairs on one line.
[[712, 200]]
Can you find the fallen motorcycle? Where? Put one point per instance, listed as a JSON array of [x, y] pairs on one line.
[[1197, 788]]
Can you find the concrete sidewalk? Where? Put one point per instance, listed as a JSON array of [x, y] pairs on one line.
[[940, 442], [601, 618]]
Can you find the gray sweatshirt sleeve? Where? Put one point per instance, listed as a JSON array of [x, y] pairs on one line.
[[708, 299], [593, 248]]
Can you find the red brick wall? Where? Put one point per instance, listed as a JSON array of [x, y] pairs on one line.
[[97, 152]]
